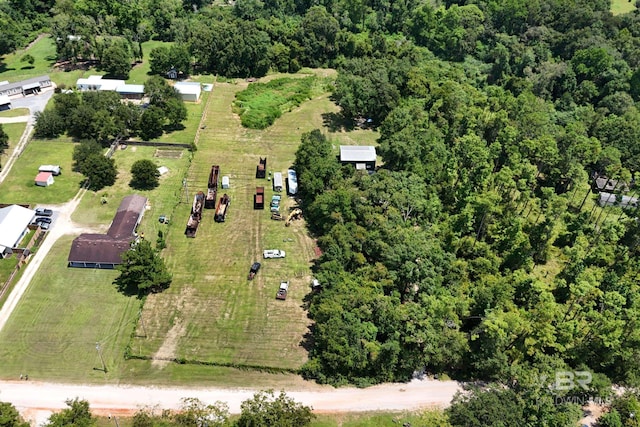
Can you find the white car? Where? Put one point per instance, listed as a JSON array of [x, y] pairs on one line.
[[273, 253]]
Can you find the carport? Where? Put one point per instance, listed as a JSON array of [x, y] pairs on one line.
[[31, 88]]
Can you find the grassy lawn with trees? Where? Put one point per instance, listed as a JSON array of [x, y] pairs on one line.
[[19, 186], [63, 314]]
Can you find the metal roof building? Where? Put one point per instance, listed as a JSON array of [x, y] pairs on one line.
[[105, 250], [362, 157], [26, 87], [14, 221]]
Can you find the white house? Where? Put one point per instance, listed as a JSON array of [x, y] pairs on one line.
[[189, 91], [14, 221], [44, 179]]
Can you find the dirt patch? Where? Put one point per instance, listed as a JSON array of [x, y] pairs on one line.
[[167, 350], [168, 154]]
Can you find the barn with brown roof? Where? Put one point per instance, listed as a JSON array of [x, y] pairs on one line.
[[105, 250]]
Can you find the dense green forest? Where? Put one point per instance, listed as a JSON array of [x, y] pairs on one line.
[[477, 250]]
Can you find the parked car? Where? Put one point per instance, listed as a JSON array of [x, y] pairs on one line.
[[254, 269], [44, 225], [282, 291], [44, 212], [42, 220], [273, 253]]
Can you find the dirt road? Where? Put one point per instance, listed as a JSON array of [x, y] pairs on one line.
[[38, 400]]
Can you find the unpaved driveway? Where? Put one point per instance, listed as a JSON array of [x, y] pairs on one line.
[[37, 400]]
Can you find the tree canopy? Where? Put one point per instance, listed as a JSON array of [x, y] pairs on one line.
[[144, 175], [142, 271]]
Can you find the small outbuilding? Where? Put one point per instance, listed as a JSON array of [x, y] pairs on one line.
[[611, 199], [277, 182], [362, 157], [14, 223], [5, 103], [189, 91], [162, 170], [54, 169], [292, 182], [44, 179]]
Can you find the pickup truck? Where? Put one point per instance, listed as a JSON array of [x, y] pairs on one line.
[[282, 291], [254, 269], [273, 253], [275, 203]]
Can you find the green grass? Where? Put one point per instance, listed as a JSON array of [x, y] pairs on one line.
[[211, 313], [262, 103], [6, 267], [139, 73], [14, 131], [619, 7], [194, 113], [43, 51], [19, 186], [63, 314], [15, 112]]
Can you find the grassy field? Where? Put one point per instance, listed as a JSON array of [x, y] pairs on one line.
[[15, 112], [54, 330], [14, 131], [138, 74], [619, 7], [19, 187], [262, 103], [211, 313]]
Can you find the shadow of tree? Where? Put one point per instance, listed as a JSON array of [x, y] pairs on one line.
[[336, 122]]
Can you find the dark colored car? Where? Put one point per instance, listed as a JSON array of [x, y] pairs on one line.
[[44, 212], [254, 269], [43, 220]]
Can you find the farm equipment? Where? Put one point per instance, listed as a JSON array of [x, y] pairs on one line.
[[275, 203], [282, 291], [295, 214], [255, 267], [196, 215], [258, 198], [221, 211], [261, 169], [212, 188], [277, 216]]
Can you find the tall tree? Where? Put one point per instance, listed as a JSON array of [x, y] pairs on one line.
[[267, 409], [144, 175], [142, 271], [77, 414]]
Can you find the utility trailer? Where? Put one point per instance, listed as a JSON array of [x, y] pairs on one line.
[[212, 188], [196, 215], [221, 211], [261, 169], [258, 198]]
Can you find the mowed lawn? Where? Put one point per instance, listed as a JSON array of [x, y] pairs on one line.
[[212, 313], [19, 186], [619, 7], [54, 329]]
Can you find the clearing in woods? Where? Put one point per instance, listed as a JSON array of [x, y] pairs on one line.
[[226, 319]]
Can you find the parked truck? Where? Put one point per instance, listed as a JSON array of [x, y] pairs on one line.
[[212, 188], [196, 215], [282, 291], [261, 169], [275, 203], [258, 198], [223, 208]]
